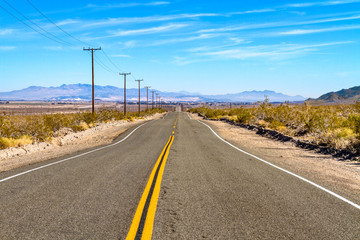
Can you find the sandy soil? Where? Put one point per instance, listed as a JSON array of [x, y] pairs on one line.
[[65, 143], [333, 173]]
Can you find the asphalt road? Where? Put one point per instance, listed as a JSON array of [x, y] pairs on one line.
[[209, 190]]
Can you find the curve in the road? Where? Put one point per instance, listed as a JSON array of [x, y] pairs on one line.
[[286, 171]]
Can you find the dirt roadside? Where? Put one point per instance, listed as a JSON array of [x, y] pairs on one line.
[[333, 173], [66, 142]]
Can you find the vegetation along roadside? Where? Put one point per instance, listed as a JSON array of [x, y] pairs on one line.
[[17, 130], [333, 129]]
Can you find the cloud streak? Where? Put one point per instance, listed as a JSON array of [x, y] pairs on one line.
[[185, 39], [4, 32], [149, 19], [320, 30], [277, 24], [268, 52], [125, 5], [7, 48], [324, 3], [152, 30]]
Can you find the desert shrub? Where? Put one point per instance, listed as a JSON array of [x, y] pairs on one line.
[[11, 142], [243, 115]]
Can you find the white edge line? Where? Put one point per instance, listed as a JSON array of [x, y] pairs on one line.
[[284, 170], [189, 116], [67, 159], [165, 115]]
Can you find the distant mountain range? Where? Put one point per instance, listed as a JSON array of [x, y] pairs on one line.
[[82, 92], [345, 95]]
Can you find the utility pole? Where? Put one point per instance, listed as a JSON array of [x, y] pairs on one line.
[[139, 80], [147, 97], [124, 74], [156, 101], [92, 64], [152, 100]]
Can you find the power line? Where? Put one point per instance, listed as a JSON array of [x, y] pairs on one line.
[[75, 38], [103, 65], [23, 22], [54, 38], [116, 66]]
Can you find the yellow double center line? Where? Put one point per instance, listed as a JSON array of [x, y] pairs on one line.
[[143, 222]]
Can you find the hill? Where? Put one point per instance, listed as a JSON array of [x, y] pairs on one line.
[[345, 95]]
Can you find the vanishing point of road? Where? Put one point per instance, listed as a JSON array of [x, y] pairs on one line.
[[171, 178]]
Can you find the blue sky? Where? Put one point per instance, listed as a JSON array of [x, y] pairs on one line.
[[212, 47]]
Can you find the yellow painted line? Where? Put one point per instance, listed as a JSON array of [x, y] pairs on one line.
[[149, 222]]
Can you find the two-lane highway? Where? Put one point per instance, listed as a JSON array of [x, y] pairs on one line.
[[170, 179]]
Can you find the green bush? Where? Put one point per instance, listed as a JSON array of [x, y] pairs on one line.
[[243, 116]]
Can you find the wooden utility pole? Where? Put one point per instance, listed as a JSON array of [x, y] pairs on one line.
[[139, 80], [156, 101], [124, 90], [147, 97], [152, 99], [92, 62]]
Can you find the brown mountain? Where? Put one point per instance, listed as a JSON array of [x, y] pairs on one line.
[[345, 95]]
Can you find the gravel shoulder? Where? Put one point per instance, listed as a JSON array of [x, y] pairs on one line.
[[338, 175], [66, 142]]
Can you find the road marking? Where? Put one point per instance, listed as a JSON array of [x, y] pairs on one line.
[[165, 115], [188, 114], [286, 171], [143, 222], [67, 159]]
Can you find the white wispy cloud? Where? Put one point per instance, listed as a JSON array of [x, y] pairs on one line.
[[319, 30], [7, 48], [270, 52], [158, 3], [4, 32], [53, 48], [120, 56], [277, 24], [251, 11], [149, 19], [184, 39], [152, 30], [67, 22], [323, 3], [126, 5]]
